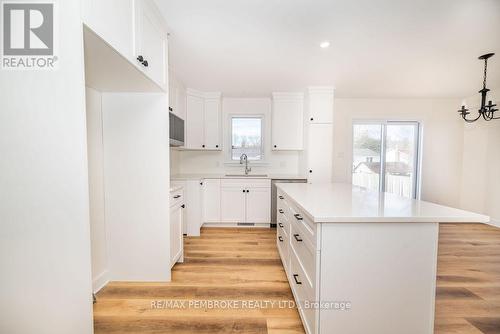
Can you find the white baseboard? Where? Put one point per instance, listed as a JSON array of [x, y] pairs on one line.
[[494, 222], [100, 281], [268, 225]]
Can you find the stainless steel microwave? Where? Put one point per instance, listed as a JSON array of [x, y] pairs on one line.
[[176, 130]]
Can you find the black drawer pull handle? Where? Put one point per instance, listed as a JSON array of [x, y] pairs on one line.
[[280, 211], [296, 236], [183, 206], [177, 196], [296, 280], [297, 216], [280, 239], [281, 197], [281, 225]]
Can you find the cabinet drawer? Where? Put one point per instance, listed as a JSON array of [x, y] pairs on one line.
[[176, 197], [304, 292], [283, 247], [303, 223], [305, 252], [283, 225]]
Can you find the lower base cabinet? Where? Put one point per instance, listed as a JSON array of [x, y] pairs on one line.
[[245, 201], [176, 222], [363, 277]]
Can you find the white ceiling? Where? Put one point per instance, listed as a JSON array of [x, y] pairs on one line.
[[379, 48]]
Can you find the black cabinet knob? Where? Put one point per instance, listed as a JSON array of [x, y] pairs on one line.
[[216, 146], [140, 59], [243, 190], [280, 239], [275, 146], [281, 225], [248, 191], [312, 119], [170, 109], [183, 206], [203, 146], [177, 196], [145, 63], [310, 170]]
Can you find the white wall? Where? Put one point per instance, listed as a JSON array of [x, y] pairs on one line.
[[136, 169], [96, 188], [480, 183], [442, 140], [285, 162], [45, 280]]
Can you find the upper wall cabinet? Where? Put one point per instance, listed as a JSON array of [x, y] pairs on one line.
[[151, 42], [176, 96], [287, 121], [135, 30], [320, 104], [203, 121], [113, 21]]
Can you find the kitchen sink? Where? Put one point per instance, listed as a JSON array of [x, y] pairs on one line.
[[249, 175]]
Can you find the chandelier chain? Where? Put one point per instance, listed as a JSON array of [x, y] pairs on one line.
[[485, 71]]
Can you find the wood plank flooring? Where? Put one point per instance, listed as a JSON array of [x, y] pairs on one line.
[[243, 265], [468, 280]]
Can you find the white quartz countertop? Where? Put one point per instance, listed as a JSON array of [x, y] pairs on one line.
[[178, 177], [344, 203]]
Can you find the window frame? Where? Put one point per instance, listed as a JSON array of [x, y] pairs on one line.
[[417, 149], [262, 137]]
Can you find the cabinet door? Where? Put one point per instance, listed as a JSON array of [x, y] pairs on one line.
[[113, 21], [232, 204], [212, 124], [194, 122], [258, 205], [321, 107], [320, 153], [176, 243], [193, 211], [151, 43], [287, 125], [211, 200]]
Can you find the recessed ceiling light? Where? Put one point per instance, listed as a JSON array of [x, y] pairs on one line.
[[324, 44]]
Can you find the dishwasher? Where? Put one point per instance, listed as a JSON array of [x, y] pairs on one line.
[[274, 195]]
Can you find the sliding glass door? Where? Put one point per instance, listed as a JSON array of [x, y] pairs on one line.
[[385, 156]]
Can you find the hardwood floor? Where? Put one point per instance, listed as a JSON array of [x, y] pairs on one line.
[[222, 264], [468, 280], [243, 265]]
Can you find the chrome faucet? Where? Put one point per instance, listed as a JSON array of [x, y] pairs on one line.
[[244, 157]]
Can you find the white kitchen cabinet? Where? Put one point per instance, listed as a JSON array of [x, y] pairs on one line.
[[211, 201], [194, 122], [320, 153], [287, 126], [258, 204], [194, 204], [212, 122], [176, 236], [135, 30], [151, 42], [176, 96], [113, 21], [233, 202], [245, 201], [320, 104], [203, 121]]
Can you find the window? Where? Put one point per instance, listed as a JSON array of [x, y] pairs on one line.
[[246, 138], [385, 157]]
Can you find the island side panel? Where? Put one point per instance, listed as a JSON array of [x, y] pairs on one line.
[[387, 271]]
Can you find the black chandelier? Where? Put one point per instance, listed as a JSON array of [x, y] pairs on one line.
[[487, 111]]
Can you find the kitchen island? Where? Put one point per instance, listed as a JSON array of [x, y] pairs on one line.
[[360, 261]]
